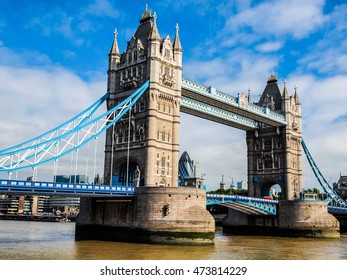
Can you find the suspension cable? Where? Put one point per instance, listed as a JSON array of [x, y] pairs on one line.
[[112, 155], [95, 152], [128, 151], [87, 162]]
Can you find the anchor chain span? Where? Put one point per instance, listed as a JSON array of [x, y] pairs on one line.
[[67, 137]]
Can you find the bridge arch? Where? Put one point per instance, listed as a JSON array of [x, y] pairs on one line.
[[127, 172], [270, 189]]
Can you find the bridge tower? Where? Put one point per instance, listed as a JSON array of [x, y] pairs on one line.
[[274, 154], [148, 139], [142, 149]]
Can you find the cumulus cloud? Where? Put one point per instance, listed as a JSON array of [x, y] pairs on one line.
[[268, 18], [70, 25], [37, 99], [269, 46], [328, 56], [101, 8]]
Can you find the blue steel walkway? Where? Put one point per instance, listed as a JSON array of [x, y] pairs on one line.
[[63, 189], [248, 205]]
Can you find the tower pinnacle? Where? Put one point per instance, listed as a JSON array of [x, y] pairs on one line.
[[177, 43]]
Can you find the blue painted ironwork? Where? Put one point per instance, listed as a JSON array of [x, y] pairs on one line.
[[63, 189], [99, 190], [333, 197], [269, 206], [40, 152], [59, 130]]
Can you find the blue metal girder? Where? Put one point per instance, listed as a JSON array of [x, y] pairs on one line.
[[63, 189], [47, 150], [269, 206], [58, 131], [337, 210]]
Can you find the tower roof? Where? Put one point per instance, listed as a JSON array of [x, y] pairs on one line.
[[144, 30], [271, 93]]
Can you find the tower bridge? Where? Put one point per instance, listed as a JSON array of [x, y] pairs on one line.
[[145, 96]]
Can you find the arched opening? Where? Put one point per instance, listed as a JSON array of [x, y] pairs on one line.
[[162, 183], [121, 178], [271, 191]]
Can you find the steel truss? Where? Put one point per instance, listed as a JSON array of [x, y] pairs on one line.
[[67, 137]]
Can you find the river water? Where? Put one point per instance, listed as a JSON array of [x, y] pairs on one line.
[[23, 240]]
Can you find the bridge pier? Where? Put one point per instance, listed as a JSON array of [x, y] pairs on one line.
[[295, 218], [155, 215]]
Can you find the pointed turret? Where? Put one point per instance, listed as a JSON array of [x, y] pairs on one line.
[[285, 98], [249, 97], [177, 43], [114, 55], [115, 49], [285, 91], [296, 96], [154, 34]]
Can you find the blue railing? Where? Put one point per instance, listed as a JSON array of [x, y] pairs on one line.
[[55, 188]]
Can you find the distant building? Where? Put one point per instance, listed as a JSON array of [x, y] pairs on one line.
[[222, 184], [242, 185], [26, 205], [78, 179], [189, 172]]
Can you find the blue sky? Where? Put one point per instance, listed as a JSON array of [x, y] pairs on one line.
[[53, 62]]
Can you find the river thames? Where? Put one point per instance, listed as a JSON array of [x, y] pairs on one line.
[[23, 240]]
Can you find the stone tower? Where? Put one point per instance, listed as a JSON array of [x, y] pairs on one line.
[[274, 154], [146, 142]]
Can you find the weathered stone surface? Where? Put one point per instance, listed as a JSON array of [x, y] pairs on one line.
[[155, 215], [296, 218], [311, 217]]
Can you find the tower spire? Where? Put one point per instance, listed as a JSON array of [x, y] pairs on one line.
[[285, 91], [154, 35], [147, 15], [115, 49], [177, 43], [249, 97], [296, 96]]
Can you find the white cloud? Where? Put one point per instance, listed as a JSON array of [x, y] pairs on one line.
[[328, 55], [324, 102], [278, 18], [101, 8], [34, 100], [269, 46]]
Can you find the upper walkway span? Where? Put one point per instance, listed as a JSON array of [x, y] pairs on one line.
[[212, 104]]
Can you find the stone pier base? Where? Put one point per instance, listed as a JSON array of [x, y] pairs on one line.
[[154, 215], [295, 218], [308, 219]]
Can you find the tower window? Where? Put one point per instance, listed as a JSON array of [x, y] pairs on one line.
[[268, 145], [129, 57], [268, 164]]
